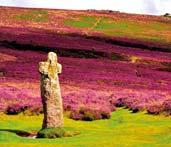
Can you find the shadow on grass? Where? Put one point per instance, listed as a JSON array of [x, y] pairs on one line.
[[33, 135], [17, 132]]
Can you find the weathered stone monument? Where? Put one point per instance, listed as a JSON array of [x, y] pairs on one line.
[[51, 98], [51, 93]]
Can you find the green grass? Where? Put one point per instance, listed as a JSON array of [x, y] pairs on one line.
[[34, 15], [151, 31], [83, 22], [123, 129]]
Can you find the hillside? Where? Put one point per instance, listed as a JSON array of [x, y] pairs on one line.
[[109, 60], [91, 56], [112, 27]]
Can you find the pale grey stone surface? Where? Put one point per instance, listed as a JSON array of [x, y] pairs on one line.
[[50, 92]]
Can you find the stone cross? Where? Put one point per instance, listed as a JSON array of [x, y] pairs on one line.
[[50, 92]]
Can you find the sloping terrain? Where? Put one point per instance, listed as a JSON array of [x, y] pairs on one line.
[[109, 59], [113, 27]]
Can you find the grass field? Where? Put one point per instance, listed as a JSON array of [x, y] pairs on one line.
[[123, 129], [34, 15], [123, 27]]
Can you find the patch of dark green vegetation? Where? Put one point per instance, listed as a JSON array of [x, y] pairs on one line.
[[55, 133], [51, 133], [34, 15]]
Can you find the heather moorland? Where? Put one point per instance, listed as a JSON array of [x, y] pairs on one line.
[[115, 81]]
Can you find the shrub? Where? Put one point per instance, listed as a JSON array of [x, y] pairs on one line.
[[16, 109], [167, 15], [164, 108], [155, 109], [51, 133], [76, 115], [105, 115], [120, 102], [34, 110], [167, 107], [26, 109], [135, 110], [89, 114]]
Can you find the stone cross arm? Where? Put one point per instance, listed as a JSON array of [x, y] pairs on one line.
[[59, 69], [50, 65]]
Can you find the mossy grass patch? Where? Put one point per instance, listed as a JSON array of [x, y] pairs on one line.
[[55, 133], [34, 15]]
